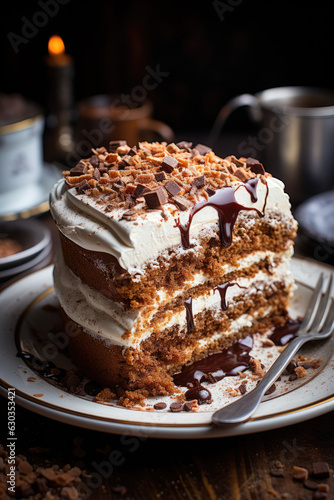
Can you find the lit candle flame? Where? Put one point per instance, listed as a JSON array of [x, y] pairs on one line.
[[56, 45]]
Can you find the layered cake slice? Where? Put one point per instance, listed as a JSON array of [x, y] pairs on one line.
[[169, 253]]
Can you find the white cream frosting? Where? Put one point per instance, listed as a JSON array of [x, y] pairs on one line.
[[111, 321], [134, 243]]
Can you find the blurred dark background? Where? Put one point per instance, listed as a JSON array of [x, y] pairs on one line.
[[211, 50]]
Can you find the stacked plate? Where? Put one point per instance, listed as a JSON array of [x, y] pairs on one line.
[[35, 241], [316, 218]]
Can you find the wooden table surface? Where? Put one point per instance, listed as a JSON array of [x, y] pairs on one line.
[[234, 468]]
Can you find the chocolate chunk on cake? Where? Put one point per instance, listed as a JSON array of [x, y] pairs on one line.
[[168, 253]]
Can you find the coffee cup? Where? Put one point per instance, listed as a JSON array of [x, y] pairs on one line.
[[295, 139], [21, 150], [102, 118]]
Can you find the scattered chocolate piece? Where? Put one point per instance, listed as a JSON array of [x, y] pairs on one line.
[[168, 164], [191, 405], [172, 187], [210, 191], [237, 162], [242, 389], [133, 151], [290, 368], [199, 181], [182, 202], [160, 176], [94, 161], [124, 162], [271, 389], [117, 186], [306, 364], [113, 145], [310, 485], [292, 377], [184, 145], [97, 174], [160, 406], [83, 186], [255, 166], [176, 407], [140, 190], [241, 174], [202, 149], [320, 469], [156, 197], [79, 169]]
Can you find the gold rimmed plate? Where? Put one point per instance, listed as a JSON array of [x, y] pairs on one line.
[[31, 323]]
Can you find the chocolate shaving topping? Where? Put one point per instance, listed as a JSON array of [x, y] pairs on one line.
[[79, 169], [83, 186], [169, 163], [255, 166], [94, 161], [202, 149], [199, 181], [140, 190], [182, 202], [241, 174], [97, 174], [124, 162], [113, 145], [156, 197], [184, 145], [160, 176], [127, 177], [172, 187]]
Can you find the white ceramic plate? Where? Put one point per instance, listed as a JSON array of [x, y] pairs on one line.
[[30, 320], [31, 200]]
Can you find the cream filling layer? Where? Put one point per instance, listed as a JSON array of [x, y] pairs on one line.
[[133, 243], [110, 320]]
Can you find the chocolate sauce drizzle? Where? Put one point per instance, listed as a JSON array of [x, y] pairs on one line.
[[188, 304], [228, 209], [283, 334], [214, 367], [222, 289], [46, 369]]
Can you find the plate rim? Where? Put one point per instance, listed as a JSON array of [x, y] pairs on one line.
[[48, 409]]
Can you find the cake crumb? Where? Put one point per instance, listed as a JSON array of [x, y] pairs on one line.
[[104, 396], [300, 371]]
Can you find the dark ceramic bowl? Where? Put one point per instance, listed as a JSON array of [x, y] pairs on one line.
[[30, 234]]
